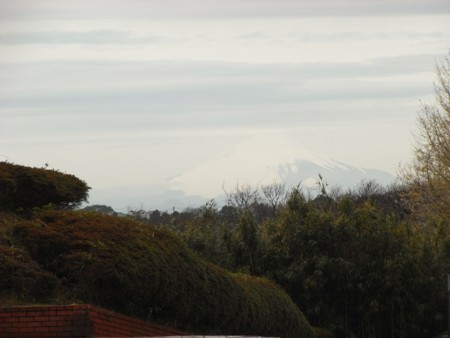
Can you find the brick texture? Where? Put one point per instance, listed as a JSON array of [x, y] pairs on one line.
[[74, 321]]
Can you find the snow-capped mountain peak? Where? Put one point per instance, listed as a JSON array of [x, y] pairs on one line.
[[267, 158]]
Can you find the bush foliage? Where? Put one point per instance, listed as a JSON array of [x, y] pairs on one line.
[[20, 276], [25, 187], [145, 272]]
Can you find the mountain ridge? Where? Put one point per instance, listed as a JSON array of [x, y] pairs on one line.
[[268, 158]]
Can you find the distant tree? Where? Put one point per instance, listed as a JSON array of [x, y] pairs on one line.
[[104, 209], [429, 173], [228, 214], [242, 197], [275, 194]]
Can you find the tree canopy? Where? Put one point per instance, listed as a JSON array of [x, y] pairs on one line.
[[428, 174], [350, 260]]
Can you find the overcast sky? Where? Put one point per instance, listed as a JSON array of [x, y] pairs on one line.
[[125, 94]]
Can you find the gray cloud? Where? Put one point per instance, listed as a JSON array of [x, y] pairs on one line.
[[87, 99], [258, 35], [98, 37], [356, 36], [74, 97], [163, 9], [193, 96], [59, 75]]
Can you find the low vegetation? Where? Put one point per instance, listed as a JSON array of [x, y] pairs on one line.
[[58, 255]]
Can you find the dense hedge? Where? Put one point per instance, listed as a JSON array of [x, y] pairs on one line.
[[25, 187], [146, 272], [20, 276]]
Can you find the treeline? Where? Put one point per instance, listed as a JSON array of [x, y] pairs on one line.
[[356, 262]]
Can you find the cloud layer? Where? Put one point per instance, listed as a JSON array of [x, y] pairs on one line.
[[198, 9]]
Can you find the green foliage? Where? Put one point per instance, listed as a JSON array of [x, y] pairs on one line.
[[266, 297], [352, 261], [20, 277], [354, 266], [428, 173], [147, 272], [26, 188], [100, 208]]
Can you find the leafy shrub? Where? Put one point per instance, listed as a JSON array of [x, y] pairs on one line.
[[25, 187], [146, 272], [22, 277]]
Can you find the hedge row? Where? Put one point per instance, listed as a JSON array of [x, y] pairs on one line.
[[148, 273], [26, 187]]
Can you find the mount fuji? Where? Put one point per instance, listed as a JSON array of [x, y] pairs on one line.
[[268, 158]]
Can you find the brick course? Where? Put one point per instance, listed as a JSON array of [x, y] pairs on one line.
[[74, 321]]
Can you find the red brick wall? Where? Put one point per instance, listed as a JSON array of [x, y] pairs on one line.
[[75, 321], [108, 323]]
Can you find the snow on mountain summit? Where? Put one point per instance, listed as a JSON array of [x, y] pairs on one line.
[[262, 159]]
